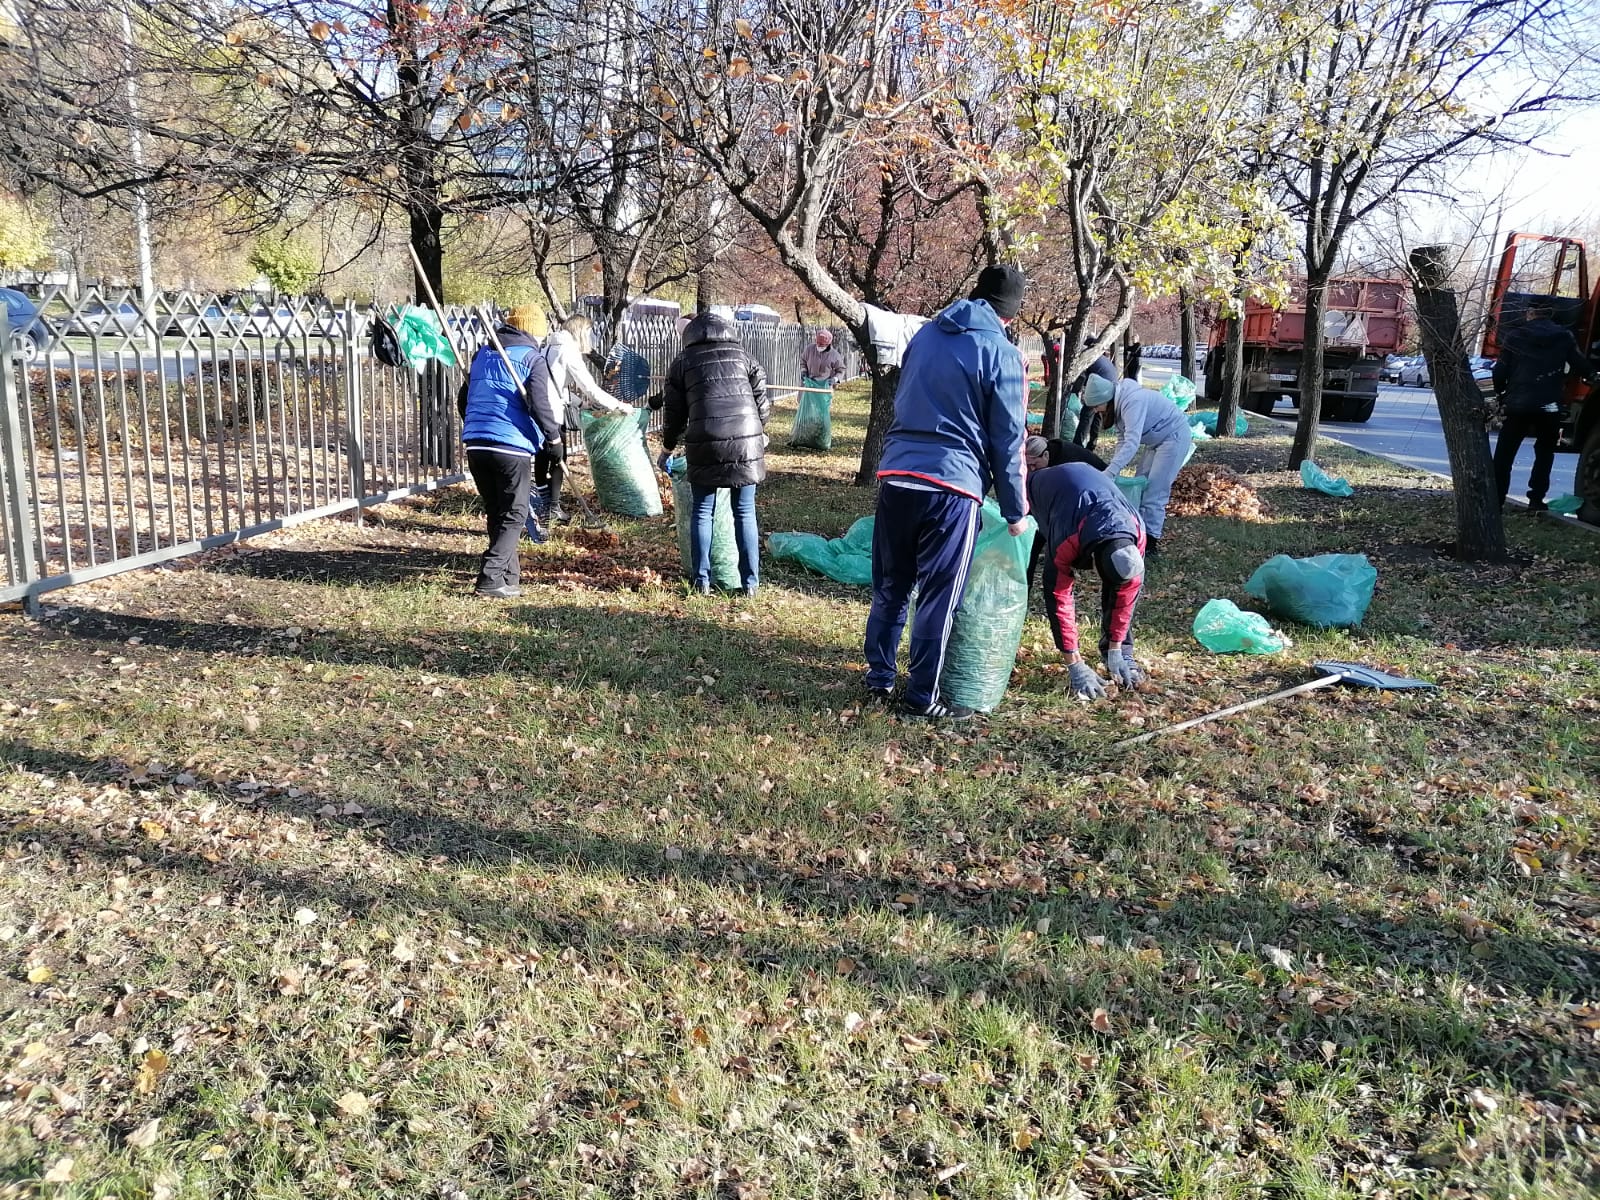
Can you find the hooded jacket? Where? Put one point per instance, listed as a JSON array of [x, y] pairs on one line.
[[717, 405], [571, 384], [503, 413], [1531, 371], [959, 410], [1078, 509], [1144, 418], [822, 362]]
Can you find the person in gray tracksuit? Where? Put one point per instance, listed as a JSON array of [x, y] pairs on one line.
[[1151, 429]]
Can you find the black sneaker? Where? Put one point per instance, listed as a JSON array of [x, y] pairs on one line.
[[936, 710], [700, 589], [880, 695], [1538, 506], [558, 516], [505, 591], [1152, 548]]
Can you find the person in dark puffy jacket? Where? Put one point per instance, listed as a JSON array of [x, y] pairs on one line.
[[1530, 376], [717, 406]]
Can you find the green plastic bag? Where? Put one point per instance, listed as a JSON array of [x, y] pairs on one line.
[[624, 479], [1566, 505], [724, 549], [1223, 628], [1314, 477], [421, 337], [1180, 390], [987, 629], [846, 559], [813, 419], [1132, 488], [1208, 421], [1324, 590]]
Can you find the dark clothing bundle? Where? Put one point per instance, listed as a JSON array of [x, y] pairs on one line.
[[1062, 451], [717, 405], [1080, 511]]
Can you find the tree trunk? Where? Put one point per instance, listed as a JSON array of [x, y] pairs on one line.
[[1186, 335], [1232, 374], [1055, 390], [1480, 530], [1311, 356], [885, 381]]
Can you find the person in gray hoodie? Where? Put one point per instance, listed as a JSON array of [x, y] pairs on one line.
[[1151, 429], [1530, 377]]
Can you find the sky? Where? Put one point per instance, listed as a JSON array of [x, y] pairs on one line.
[[1542, 192]]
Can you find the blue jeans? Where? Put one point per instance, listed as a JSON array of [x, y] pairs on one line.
[[745, 533]]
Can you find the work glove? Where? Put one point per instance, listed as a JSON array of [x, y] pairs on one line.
[[1122, 669], [666, 457], [1085, 683]]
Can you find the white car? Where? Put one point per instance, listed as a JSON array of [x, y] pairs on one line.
[[1415, 373]]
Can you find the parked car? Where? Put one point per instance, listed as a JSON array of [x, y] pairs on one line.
[[1415, 373], [279, 322], [212, 319], [30, 336], [1390, 371], [98, 318]]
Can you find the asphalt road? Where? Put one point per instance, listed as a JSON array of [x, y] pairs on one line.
[[1405, 427]]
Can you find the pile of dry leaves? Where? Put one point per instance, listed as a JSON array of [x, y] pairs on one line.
[[1210, 490], [596, 558]]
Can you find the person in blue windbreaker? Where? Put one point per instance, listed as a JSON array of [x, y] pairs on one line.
[[958, 430], [507, 418]]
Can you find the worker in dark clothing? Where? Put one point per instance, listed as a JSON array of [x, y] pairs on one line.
[[1088, 433], [1084, 520], [1530, 377], [1041, 454]]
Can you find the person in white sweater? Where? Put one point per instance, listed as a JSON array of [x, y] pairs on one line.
[[1152, 430], [572, 388]]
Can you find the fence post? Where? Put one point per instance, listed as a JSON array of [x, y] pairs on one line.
[[14, 465], [355, 435]]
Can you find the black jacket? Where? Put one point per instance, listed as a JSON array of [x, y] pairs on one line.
[[1531, 371], [716, 405], [1062, 451]]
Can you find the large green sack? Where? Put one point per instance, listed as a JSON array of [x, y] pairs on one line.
[[1208, 421], [847, 559], [1324, 590], [1180, 390], [813, 419], [422, 339], [724, 549], [1222, 627], [1132, 488], [624, 479], [987, 629]]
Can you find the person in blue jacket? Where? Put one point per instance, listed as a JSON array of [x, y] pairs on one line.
[[507, 419], [958, 429]]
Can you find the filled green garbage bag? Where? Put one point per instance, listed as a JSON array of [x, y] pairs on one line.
[[813, 419], [847, 559], [1180, 390], [1222, 627], [987, 629], [1132, 488], [724, 550], [1324, 590], [1208, 421], [1315, 478], [624, 478], [1566, 505]]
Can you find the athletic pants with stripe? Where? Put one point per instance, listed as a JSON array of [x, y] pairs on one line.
[[925, 540]]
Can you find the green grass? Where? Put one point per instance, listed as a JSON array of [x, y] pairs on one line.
[[617, 892]]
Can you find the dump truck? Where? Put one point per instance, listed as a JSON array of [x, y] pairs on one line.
[[1365, 322], [1555, 270]]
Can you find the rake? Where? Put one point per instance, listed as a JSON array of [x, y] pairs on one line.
[[1328, 674]]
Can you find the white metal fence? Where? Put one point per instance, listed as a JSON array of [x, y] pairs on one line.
[[133, 435]]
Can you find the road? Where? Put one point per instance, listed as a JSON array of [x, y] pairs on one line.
[[1405, 427]]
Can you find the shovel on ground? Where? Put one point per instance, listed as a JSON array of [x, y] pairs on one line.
[[1328, 674]]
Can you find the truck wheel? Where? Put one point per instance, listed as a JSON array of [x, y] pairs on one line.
[[1261, 402], [1353, 412]]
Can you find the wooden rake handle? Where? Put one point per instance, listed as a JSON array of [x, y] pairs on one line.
[[1310, 685]]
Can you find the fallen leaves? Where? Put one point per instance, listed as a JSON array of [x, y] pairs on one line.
[[153, 1066], [145, 1135], [1212, 490], [353, 1104]]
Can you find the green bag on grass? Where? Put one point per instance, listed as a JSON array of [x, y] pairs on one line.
[[987, 629], [624, 478], [1222, 627], [1208, 421], [724, 549], [1566, 505], [1325, 590], [846, 559], [1315, 478], [813, 419], [1180, 390]]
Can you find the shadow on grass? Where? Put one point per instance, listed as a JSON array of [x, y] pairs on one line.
[[350, 567], [1289, 1015]]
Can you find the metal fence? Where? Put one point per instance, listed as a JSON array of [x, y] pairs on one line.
[[131, 435]]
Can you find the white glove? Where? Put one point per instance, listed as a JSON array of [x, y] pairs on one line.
[[1085, 683], [1123, 670]]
